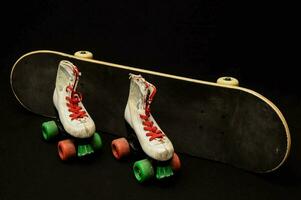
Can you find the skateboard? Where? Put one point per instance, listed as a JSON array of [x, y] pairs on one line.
[[217, 121]]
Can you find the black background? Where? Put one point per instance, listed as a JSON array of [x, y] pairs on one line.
[[201, 39]]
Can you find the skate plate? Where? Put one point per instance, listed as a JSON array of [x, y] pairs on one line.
[[229, 124]]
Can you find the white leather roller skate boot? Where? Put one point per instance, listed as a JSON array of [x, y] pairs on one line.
[[152, 139], [68, 102]]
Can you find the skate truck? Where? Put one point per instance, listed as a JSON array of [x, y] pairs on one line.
[[74, 128], [145, 138]]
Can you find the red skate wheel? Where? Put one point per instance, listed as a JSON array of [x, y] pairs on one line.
[[120, 148], [175, 162], [66, 149]]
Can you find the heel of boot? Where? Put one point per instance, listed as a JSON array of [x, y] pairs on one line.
[[132, 138], [129, 129]]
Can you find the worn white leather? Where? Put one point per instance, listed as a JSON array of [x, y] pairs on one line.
[[81, 127], [160, 148]]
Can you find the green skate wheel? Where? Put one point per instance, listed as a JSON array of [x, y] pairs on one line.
[[49, 130], [96, 141], [143, 170]]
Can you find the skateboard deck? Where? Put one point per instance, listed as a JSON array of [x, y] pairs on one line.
[[228, 124]]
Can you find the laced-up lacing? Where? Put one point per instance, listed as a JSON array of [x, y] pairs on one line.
[[74, 99], [153, 131]]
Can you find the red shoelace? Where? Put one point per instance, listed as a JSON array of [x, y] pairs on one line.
[[74, 99], [153, 131]]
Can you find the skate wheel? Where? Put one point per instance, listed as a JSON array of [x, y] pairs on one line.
[[66, 149], [227, 81], [96, 141], [175, 162], [49, 130], [84, 54], [143, 170], [120, 148]]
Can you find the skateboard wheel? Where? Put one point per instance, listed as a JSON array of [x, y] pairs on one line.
[[96, 141], [49, 130], [120, 148], [227, 81], [143, 170], [84, 54], [66, 149], [175, 162]]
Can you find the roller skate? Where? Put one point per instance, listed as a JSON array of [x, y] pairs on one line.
[[145, 138], [74, 128]]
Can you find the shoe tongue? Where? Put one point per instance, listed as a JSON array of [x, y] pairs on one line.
[[73, 81], [73, 77], [149, 96], [150, 93], [67, 69]]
